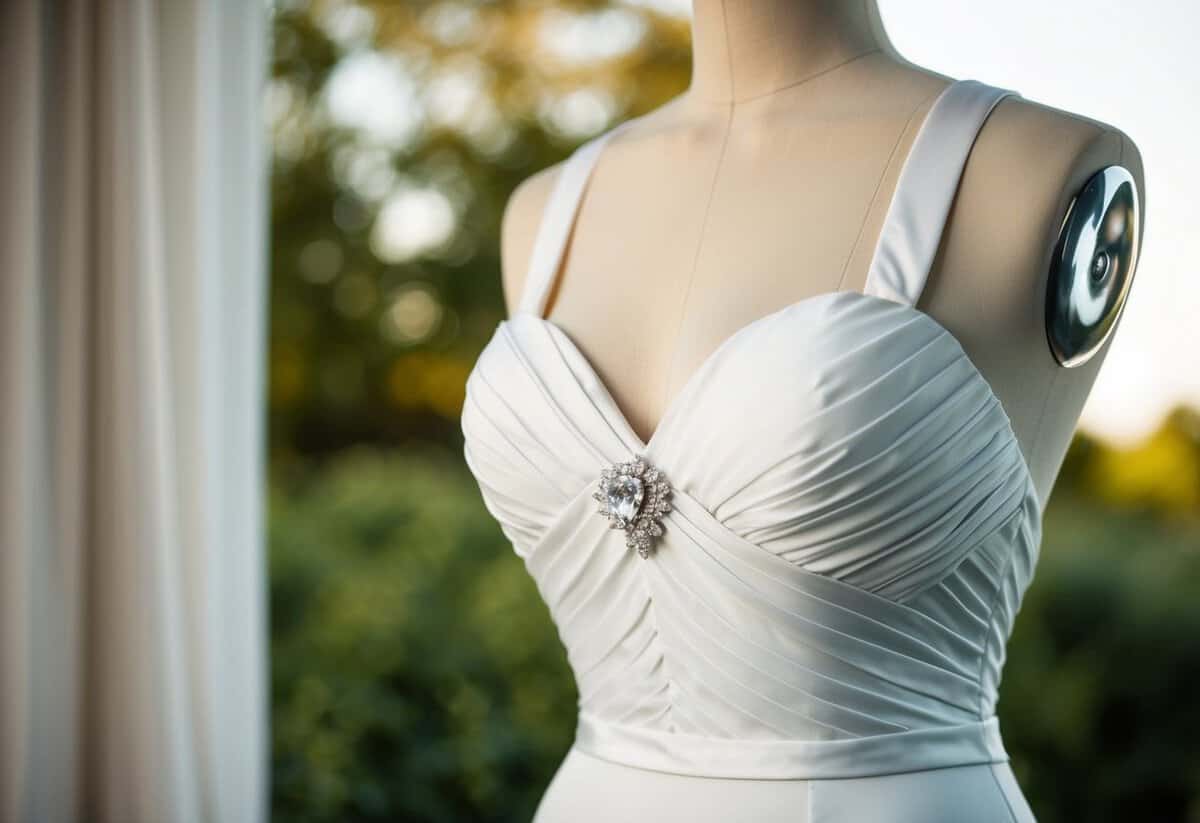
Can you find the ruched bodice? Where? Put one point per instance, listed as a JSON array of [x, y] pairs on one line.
[[853, 522]]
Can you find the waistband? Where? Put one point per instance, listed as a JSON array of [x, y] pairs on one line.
[[686, 754]]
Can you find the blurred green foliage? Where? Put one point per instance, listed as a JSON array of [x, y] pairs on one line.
[[416, 672], [1099, 705], [386, 119]]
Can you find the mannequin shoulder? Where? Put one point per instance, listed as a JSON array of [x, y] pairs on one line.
[[526, 205], [1034, 161], [519, 227], [1028, 163], [1060, 149]]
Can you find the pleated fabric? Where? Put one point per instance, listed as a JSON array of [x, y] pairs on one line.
[[853, 526]]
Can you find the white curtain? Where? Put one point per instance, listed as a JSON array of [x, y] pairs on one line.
[[132, 267]]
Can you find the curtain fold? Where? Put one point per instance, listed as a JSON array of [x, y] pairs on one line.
[[132, 337]]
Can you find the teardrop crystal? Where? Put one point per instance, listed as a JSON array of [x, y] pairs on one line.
[[625, 495]]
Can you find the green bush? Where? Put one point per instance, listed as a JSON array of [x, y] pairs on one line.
[[1099, 703], [416, 673]]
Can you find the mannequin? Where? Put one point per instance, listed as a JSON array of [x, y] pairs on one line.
[[766, 182]]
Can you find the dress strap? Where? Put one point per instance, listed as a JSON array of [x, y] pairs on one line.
[[558, 219], [916, 217]]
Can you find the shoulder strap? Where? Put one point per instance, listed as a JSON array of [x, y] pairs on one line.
[[558, 219], [912, 229]]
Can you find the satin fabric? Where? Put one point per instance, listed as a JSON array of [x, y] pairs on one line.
[[588, 789], [853, 528]]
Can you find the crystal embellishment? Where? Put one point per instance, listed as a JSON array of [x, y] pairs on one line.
[[633, 496]]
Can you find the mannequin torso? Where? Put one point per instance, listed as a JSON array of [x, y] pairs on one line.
[[768, 181]]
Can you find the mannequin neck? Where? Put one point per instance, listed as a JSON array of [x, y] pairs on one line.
[[742, 49]]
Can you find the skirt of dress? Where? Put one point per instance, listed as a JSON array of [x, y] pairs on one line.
[[586, 789]]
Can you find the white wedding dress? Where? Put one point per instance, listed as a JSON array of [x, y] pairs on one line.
[[819, 631]]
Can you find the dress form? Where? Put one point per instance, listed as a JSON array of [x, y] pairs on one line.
[[767, 181]]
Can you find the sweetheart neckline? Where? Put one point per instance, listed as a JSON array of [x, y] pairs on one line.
[[675, 402]]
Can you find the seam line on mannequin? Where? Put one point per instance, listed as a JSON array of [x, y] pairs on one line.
[[862, 227], [734, 100], [728, 54], [667, 393]]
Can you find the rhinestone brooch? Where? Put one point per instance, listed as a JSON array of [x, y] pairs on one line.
[[633, 496]]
